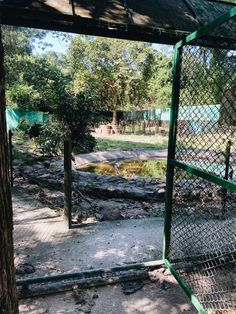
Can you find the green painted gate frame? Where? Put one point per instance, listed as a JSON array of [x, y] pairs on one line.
[[172, 162]]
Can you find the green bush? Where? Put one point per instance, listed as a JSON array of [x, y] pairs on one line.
[[74, 117], [52, 136], [78, 113]]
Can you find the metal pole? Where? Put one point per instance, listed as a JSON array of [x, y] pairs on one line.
[[171, 149], [67, 181]]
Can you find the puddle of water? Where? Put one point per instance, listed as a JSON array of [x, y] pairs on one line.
[[145, 168]]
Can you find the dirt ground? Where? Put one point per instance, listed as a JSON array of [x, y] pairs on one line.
[[151, 299], [43, 240]]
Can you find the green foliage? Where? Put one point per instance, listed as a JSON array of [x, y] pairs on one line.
[[39, 87], [79, 113], [18, 46], [74, 117], [203, 72], [160, 85], [122, 74], [33, 82], [23, 126], [22, 96], [52, 136]]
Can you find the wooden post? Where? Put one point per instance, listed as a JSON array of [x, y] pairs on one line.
[[227, 156], [144, 127], [133, 127], [10, 156], [157, 127], [8, 296], [67, 181]]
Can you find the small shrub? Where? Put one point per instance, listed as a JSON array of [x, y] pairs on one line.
[[52, 136], [79, 114], [23, 126], [74, 117]]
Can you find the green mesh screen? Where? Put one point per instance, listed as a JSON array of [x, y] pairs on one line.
[[15, 116]]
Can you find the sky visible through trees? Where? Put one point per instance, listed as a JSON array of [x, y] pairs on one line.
[[61, 46], [42, 67]]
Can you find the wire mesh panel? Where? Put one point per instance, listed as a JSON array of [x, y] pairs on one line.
[[206, 131], [203, 240], [200, 225]]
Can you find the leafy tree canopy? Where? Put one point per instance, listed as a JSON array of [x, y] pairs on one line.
[[118, 74]]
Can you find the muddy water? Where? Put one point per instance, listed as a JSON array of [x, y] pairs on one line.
[[146, 168]]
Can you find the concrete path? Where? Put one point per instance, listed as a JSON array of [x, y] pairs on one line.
[[115, 155], [42, 238], [111, 300]]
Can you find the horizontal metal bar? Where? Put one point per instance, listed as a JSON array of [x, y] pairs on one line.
[[90, 272], [186, 289], [205, 175], [207, 28]]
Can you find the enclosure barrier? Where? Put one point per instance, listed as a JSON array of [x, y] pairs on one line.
[[200, 233]]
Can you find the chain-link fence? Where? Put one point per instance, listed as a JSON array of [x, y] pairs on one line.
[[201, 206]]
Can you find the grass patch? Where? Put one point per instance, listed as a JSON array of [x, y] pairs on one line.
[[23, 149], [130, 142], [26, 157]]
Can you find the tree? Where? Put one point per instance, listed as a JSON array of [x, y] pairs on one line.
[[74, 116], [8, 297], [116, 71], [34, 82], [160, 84], [18, 46]]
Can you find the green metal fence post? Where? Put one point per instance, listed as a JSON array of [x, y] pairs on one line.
[[67, 181], [171, 148]]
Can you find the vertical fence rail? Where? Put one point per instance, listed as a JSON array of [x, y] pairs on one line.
[[171, 148], [199, 237], [67, 182]]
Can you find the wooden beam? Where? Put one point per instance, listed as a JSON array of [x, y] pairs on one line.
[[87, 26], [8, 297]]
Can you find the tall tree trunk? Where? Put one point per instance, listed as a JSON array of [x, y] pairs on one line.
[[8, 297], [114, 114]]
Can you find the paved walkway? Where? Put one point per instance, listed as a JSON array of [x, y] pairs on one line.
[[42, 238]]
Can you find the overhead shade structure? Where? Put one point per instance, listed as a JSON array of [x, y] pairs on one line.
[[157, 21]]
